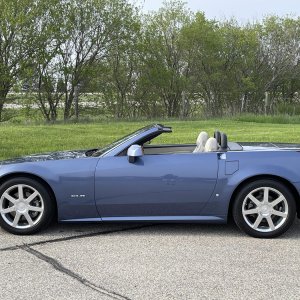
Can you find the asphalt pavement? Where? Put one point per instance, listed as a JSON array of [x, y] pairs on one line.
[[149, 261]]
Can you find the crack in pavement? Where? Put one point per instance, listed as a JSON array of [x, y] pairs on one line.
[[59, 267], [75, 237]]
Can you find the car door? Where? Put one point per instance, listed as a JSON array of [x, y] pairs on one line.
[[155, 186]]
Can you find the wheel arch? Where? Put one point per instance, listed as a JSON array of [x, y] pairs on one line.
[[42, 181], [286, 182]]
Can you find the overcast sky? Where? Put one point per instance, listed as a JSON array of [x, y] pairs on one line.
[[243, 10]]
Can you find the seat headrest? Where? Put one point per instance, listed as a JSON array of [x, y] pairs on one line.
[[224, 143], [217, 136], [201, 141], [202, 138], [211, 145]]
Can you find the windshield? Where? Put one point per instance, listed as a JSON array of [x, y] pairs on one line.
[[116, 143]]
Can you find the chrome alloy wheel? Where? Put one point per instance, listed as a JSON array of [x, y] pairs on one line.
[[21, 206], [265, 209]]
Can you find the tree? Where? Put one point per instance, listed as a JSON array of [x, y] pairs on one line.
[[221, 57], [164, 69], [44, 72], [203, 42], [90, 26], [117, 75], [239, 50], [17, 42], [279, 55]]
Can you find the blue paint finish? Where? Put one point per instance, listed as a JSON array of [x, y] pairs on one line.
[[284, 164], [166, 188], [297, 186], [65, 177], [155, 185], [231, 167]]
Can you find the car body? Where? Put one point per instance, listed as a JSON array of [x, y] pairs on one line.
[[166, 183]]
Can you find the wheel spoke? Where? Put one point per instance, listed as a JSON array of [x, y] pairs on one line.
[[270, 222], [28, 218], [16, 219], [8, 210], [279, 213], [20, 192], [21, 206], [254, 200], [35, 208], [265, 209], [266, 195], [257, 221], [277, 201], [9, 198], [31, 197], [251, 211]]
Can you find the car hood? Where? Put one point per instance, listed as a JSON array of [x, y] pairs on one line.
[[46, 156]]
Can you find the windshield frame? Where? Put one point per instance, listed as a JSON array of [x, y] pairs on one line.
[[124, 142]]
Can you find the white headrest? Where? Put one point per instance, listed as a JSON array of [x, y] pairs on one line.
[[201, 141], [211, 145], [202, 138]]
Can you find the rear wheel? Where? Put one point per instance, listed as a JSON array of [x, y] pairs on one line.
[[264, 208], [25, 206]]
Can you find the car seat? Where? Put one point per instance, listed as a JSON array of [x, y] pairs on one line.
[[201, 141], [211, 145]]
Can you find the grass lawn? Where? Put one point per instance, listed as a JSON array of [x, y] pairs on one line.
[[18, 140]]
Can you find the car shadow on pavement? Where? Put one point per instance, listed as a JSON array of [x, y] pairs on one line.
[[61, 232], [229, 229]]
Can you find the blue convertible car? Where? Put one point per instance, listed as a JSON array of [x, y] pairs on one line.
[[256, 184]]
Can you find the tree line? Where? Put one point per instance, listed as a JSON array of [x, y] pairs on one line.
[[168, 63]]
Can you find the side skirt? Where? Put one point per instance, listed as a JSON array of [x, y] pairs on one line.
[[175, 219]]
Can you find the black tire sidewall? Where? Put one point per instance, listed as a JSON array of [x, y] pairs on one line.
[[245, 190], [49, 207]]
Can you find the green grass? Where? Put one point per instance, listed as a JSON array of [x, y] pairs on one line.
[[16, 140], [274, 119]]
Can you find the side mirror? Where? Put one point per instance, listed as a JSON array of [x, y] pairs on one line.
[[134, 152]]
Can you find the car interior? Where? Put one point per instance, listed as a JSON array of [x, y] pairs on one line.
[[204, 143]]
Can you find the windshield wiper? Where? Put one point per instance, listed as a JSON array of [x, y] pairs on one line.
[[90, 152]]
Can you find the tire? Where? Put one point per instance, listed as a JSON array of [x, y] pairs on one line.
[[264, 208], [26, 206]]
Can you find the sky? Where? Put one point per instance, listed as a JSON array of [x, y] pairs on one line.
[[242, 10]]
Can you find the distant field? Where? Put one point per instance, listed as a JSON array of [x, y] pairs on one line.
[[18, 140]]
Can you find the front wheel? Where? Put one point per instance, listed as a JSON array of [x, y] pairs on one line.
[[25, 206], [264, 208]]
